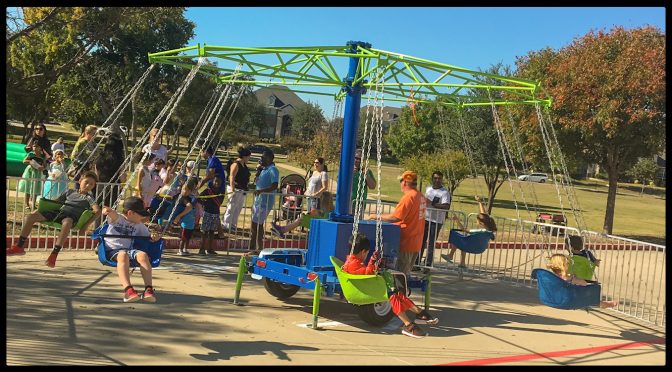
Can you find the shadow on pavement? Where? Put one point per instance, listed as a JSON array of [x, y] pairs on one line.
[[227, 350]]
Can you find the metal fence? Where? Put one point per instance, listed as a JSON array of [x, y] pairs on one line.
[[633, 273]]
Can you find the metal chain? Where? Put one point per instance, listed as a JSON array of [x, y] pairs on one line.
[[180, 94]]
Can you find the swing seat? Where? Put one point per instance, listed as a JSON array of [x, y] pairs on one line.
[[360, 289], [306, 218], [561, 294], [47, 205], [153, 249], [581, 267], [475, 243]]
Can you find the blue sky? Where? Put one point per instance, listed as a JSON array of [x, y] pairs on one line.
[[472, 38]]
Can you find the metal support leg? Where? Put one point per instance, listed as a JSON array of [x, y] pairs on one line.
[[428, 290], [316, 302], [239, 279]]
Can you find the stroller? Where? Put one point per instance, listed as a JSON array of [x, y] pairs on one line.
[[293, 187]]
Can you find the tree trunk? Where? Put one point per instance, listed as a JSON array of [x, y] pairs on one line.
[[611, 200]]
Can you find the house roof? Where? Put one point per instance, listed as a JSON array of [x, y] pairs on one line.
[[281, 93]]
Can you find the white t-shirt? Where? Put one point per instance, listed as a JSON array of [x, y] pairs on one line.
[[444, 197], [122, 226], [160, 153], [316, 181], [57, 146]]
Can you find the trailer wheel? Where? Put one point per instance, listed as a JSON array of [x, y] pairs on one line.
[[377, 314], [280, 290]]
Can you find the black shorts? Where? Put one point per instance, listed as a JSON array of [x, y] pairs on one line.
[[58, 217], [186, 235]]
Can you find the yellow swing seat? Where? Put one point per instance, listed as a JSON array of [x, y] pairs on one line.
[[360, 289], [47, 205]]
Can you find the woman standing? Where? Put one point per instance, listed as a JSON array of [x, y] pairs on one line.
[[81, 152], [157, 149], [317, 184], [40, 135], [239, 178]]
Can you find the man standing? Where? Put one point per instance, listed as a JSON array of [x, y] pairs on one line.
[[439, 198], [266, 182], [359, 172], [409, 214]]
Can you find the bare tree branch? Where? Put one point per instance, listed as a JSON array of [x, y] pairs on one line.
[[34, 26]]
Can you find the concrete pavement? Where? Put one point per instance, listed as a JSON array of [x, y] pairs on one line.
[[74, 314]]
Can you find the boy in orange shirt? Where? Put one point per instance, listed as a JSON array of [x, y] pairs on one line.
[[354, 264], [409, 214]]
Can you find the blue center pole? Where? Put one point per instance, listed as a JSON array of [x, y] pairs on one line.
[[353, 101]]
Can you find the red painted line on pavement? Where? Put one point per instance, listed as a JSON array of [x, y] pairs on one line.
[[519, 358]]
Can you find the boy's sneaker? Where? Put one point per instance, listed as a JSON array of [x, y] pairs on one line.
[[15, 250], [149, 295], [211, 252], [201, 252], [277, 230], [425, 318], [130, 295], [412, 330]]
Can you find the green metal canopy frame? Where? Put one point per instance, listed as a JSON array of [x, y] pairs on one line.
[[311, 69]]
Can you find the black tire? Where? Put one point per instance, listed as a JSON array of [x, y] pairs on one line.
[[376, 314], [542, 180], [280, 290]]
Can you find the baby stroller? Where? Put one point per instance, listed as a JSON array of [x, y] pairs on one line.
[[293, 187]]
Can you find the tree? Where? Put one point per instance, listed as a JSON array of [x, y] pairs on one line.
[[77, 63], [323, 145], [406, 138], [307, 120], [608, 92], [452, 163], [644, 170]]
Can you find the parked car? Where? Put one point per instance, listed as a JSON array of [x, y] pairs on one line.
[[534, 177]]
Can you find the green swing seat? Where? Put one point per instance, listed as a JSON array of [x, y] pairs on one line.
[[360, 289], [581, 267], [46, 205]]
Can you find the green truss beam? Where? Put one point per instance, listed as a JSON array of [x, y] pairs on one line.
[[317, 67]]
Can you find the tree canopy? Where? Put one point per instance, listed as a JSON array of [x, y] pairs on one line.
[[609, 97]]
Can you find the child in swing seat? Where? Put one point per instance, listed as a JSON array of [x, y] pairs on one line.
[[119, 249], [559, 265], [485, 223], [575, 244], [354, 264]]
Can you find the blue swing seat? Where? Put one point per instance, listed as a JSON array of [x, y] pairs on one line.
[[561, 294], [153, 249], [475, 243]]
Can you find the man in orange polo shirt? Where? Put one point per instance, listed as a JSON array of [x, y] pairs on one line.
[[409, 214]]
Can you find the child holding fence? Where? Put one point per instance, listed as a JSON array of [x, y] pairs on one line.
[[211, 199]]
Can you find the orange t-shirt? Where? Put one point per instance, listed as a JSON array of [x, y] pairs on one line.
[[411, 212]]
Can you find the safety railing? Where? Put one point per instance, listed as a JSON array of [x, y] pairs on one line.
[[633, 273]]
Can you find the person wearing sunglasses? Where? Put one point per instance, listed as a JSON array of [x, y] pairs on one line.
[[40, 135]]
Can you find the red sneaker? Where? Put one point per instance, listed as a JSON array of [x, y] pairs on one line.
[[149, 295], [130, 295], [15, 250]]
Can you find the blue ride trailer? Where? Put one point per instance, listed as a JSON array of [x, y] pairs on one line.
[[285, 271]]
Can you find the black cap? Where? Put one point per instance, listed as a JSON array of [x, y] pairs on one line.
[[135, 204]]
